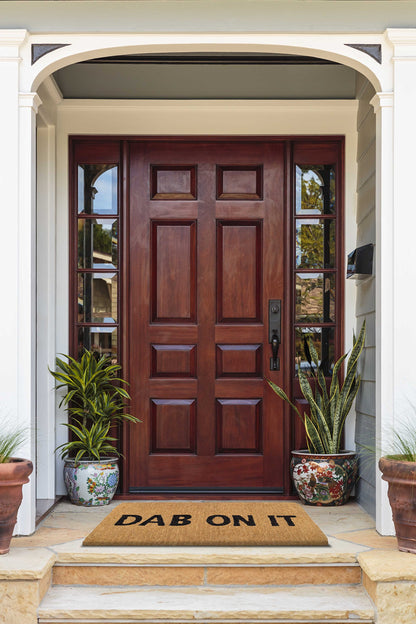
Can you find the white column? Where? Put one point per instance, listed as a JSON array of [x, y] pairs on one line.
[[26, 313], [384, 272], [17, 205], [396, 253]]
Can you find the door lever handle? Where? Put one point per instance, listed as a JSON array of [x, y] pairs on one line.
[[274, 361], [275, 307]]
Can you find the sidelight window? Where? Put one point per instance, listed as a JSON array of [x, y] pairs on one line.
[[315, 262], [96, 258]]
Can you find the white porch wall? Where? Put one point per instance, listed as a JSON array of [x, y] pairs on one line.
[[262, 16], [366, 309]]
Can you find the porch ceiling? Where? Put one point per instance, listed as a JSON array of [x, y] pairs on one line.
[[214, 77]]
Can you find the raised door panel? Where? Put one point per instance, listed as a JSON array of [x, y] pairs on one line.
[[173, 271], [239, 268], [239, 360], [170, 360], [173, 423], [173, 182], [243, 182], [239, 426]]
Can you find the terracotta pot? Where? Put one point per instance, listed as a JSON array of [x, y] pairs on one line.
[[13, 475], [401, 477], [324, 479]]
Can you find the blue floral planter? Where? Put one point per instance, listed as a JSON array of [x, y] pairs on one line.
[[91, 482], [324, 479]]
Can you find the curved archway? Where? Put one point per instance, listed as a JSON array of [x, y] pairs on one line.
[[332, 48]]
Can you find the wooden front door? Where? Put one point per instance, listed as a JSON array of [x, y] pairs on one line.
[[207, 252]]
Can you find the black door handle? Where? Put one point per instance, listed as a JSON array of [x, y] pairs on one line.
[[275, 306], [274, 362]]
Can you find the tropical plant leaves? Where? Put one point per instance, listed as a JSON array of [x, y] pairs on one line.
[[95, 399]]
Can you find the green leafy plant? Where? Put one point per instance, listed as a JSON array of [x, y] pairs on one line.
[[328, 408], [10, 442], [95, 399]]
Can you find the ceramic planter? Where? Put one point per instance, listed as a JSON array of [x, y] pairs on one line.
[[91, 482], [13, 475], [401, 477], [324, 479]]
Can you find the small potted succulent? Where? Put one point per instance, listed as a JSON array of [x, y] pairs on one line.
[[96, 401], [398, 468], [14, 473], [324, 474]]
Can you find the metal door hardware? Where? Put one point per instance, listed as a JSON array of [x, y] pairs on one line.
[[275, 306]]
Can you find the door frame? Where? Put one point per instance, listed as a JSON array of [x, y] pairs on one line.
[[292, 433]]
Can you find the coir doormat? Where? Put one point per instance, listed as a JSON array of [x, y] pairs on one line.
[[207, 524]]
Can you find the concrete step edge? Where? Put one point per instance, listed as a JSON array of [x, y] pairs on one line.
[[211, 604]]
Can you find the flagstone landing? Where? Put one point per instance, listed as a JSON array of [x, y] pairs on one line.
[[359, 577]]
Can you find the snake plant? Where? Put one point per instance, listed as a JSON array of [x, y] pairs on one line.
[[328, 408], [95, 400]]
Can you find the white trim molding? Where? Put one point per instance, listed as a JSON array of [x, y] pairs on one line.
[[80, 47]]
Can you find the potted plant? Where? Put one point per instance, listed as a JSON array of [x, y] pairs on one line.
[[95, 400], [399, 470], [14, 473], [324, 474]]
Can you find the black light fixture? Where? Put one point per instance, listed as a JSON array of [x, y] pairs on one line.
[[360, 262]]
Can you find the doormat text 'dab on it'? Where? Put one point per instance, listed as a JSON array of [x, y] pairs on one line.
[[207, 524]]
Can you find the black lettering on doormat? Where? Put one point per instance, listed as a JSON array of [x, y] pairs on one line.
[[288, 519], [156, 519], [249, 521], [180, 519], [223, 520], [122, 520]]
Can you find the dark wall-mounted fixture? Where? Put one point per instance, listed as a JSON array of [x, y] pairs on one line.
[[360, 262]]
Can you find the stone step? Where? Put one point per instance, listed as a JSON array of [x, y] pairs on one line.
[[198, 565], [205, 574], [308, 603]]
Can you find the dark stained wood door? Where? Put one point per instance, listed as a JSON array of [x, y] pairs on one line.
[[207, 253]]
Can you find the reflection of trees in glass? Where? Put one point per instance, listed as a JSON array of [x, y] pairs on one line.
[[311, 243], [102, 241], [317, 190], [315, 298], [311, 192]]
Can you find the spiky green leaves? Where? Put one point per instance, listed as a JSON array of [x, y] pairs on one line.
[[92, 442], [95, 400], [328, 409], [10, 442]]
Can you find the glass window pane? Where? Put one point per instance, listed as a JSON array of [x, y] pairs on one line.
[[97, 243], [97, 189], [323, 339], [315, 243], [315, 297], [315, 190], [101, 340], [97, 297]]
